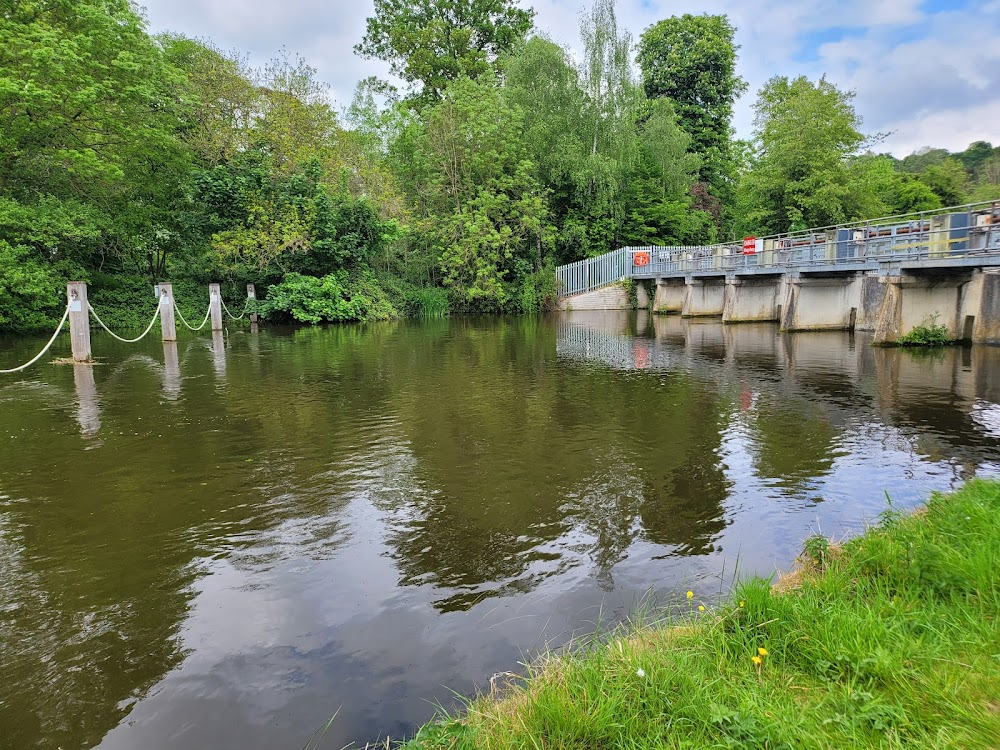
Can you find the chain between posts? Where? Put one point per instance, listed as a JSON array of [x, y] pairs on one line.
[[234, 317], [97, 317], [40, 354], [181, 316]]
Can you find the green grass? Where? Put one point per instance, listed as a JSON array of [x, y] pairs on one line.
[[889, 641]]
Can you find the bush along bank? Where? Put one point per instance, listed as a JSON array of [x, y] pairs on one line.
[[891, 640]]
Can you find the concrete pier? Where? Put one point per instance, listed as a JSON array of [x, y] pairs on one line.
[[670, 295], [752, 299], [821, 302], [705, 297]]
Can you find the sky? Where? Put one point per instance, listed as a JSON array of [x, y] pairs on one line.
[[926, 72]]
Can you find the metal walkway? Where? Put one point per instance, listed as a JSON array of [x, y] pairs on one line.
[[960, 236]]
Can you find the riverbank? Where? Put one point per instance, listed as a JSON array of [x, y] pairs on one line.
[[889, 640]]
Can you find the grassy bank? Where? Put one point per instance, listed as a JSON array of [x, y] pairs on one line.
[[891, 640]]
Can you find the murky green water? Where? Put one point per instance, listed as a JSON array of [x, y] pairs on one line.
[[221, 545]]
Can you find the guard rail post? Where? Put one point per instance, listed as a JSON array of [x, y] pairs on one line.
[[167, 324], [79, 320], [215, 306], [251, 298]]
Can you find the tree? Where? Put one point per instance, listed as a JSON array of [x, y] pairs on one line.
[[433, 42], [480, 206], [803, 170], [948, 180], [691, 60], [89, 146]]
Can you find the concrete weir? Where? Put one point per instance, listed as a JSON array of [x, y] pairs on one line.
[[891, 304]]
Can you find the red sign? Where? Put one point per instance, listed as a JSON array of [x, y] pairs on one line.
[[749, 245], [640, 259]]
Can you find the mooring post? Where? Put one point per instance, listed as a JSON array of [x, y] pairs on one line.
[[252, 297], [79, 320], [215, 306], [167, 324]]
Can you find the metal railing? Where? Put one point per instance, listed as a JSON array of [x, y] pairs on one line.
[[593, 273], [960, 234]]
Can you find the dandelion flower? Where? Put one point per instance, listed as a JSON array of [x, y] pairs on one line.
[[756, 660], [701, 607], [762, 651], [690, 595], [640, 672], [742, 603]]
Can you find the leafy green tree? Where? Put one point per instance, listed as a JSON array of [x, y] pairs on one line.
[[89, 137], [433, 42], [691, 60], [948, 180], [912, 194], [480, 207], [803, 170], [975, 155], [222, 100], [919, 161]]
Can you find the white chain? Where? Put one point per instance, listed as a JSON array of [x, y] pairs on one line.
[[97, 317], [40, 354], [181, 316], [234, 317]]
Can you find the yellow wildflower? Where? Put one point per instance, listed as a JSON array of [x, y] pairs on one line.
[[742, 603], [690, 595], [756, 660], [701, 607], [762, 651]]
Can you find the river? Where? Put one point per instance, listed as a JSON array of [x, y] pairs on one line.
[[223, 543]]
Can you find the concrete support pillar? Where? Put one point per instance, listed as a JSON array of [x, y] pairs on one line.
[[820, 303], [252, 296], [872, 293], [983, 307], [215, 306], [79, 320], [751, 300], [705, 298], [669, 296], [167, 325]]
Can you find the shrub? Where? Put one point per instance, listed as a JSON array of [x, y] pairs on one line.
[[332, 298], [32, 290], [928, 333]]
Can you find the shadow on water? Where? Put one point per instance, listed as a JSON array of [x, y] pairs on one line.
[[222, 541]]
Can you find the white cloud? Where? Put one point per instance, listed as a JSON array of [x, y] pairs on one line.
[[931, 78]]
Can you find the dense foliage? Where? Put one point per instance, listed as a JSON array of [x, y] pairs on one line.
[[126, 158]]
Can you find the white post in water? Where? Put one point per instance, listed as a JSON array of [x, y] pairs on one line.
[[215, 306], [79, 320], [167, 312], [252, 296]]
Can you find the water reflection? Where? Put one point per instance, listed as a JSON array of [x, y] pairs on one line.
[[88, 413], [171, 371], [356, 517]]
